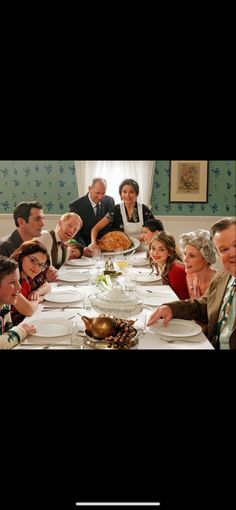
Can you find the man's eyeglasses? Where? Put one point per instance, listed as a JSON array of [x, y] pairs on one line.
[[35, 262]]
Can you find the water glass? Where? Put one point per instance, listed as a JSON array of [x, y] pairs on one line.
[[98, 259], [86, 301], [93, 275], [76, 340], [130, 285]]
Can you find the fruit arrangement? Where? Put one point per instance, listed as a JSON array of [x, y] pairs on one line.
[[116, 333]]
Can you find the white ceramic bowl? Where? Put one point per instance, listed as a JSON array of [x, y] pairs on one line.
[[116, 302]]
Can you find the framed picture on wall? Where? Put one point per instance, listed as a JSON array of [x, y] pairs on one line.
[[188, 181]]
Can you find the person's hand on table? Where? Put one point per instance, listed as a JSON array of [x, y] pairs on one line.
[[34, 296], [30, 329], [162, 312], [51, 274]]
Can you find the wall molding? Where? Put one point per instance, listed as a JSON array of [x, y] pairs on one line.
[[176, 225], [187, 218], [7, 224]]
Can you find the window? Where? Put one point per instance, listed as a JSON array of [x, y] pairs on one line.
[[115, 172]]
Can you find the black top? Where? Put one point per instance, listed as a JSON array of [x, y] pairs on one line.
[[10, 243], [116, 221]]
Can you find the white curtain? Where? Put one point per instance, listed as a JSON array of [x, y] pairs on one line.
[[114, 172]]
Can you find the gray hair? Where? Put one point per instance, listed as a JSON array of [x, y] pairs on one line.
[[201, 240]]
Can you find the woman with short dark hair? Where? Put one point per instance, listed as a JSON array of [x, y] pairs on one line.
[[128, 216]]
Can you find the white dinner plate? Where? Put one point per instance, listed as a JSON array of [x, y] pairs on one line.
[[139, 262], [66, 296], [52, 327], [73, 277], [178, 328], [83, 262], [148, 278], [150, 300], [136, 244]]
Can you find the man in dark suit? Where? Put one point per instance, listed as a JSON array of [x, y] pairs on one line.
[[91, 208], [29, 221]]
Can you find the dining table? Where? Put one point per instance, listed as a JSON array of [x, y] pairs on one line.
[[78, 281]]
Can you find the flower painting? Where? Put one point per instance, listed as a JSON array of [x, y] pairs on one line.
[[188, 181]]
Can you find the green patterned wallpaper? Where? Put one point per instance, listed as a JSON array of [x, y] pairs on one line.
[[54, 184], [221, 192]]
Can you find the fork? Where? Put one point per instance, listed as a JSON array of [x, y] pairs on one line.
[[63, 308]]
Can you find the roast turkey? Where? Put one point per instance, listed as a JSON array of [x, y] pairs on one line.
[[114, 241]]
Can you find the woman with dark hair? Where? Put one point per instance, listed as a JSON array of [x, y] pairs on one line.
[[166, 260], [128, 216], [33, 261], [9, 290]]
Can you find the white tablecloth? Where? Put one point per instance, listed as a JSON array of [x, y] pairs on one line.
[[148, 340]]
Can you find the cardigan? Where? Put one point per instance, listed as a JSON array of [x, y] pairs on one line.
[[9, 336]]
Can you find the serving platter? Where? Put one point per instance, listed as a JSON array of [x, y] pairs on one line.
[[136, 244], [94, 343]]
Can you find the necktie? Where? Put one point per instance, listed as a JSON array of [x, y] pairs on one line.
[[64, 248], [98, 212], [2, 328], [226, 309]]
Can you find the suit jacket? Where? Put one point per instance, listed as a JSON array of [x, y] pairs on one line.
[[10, 243], [84, 208], [207, 307]]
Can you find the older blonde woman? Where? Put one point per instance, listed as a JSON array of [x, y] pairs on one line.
[[198, 255]]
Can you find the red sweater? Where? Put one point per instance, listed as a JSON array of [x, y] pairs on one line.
[[26, 289], [177, 280]]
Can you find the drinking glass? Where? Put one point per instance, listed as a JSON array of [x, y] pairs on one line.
[[76, 340], [130, 284], [121, 262], [98, 259]]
